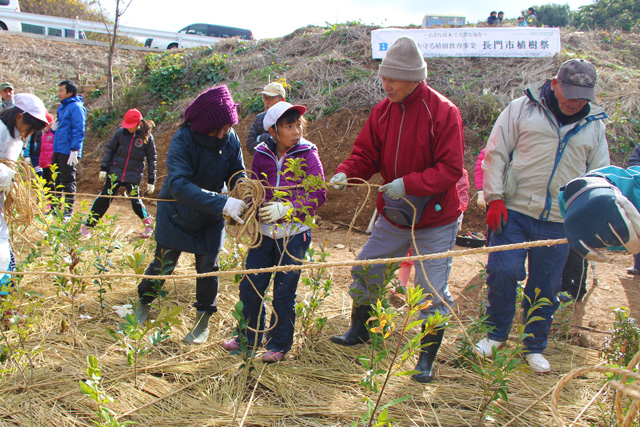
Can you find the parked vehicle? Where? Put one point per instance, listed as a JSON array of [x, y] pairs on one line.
[[8, 24], [214, 31], [52, 31]]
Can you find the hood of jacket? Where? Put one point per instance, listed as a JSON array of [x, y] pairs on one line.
[[77, 98]]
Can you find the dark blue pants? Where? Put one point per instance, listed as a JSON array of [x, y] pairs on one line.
[[285, 284], [506, 268]]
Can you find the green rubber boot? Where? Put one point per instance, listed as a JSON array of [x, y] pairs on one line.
[[200, 332], [141, 312]]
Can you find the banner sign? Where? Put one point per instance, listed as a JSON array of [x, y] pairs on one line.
[[509, 42]]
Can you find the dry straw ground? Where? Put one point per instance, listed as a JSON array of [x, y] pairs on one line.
[[179, 385]]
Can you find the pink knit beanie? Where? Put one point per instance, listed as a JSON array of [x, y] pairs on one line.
[[211, 110]]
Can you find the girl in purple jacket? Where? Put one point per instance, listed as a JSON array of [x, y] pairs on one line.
[[282, 225]]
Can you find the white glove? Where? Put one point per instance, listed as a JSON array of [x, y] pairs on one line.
[[273, 211], [103, 176], [27, 160], [339, 181], [394, 189], [54, 125], [481, 203], [6, 178], [151, 188], [234, 208], [73, 158]]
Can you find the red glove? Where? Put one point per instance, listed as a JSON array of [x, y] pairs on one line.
[[497, 215]]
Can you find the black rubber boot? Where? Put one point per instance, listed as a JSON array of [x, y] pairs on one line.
[[358, 332], [431, 345]]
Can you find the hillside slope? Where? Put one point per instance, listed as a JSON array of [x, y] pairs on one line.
[[332, 73]]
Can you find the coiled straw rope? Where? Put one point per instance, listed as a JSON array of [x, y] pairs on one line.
[[624, 389], [252, 192], [19, 203]]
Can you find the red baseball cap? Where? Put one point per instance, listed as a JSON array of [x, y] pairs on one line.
[[131, 119]]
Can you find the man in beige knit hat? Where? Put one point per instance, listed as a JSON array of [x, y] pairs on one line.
[[271, 94], [414, 139]]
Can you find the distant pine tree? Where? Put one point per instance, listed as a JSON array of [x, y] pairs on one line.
[[609, 14]]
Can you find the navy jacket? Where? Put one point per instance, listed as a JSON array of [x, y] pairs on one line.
[[124, 157], [198, 166]]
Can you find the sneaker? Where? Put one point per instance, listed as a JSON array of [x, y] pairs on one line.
[[538, 363], [565, 296], [85, 231], [273, 356], [231, 345], [633, 271], [485, 346], [148, 231]]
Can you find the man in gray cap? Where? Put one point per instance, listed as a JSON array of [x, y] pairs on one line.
[[271, 95], [414, 139], [540, 142], [6, 93]]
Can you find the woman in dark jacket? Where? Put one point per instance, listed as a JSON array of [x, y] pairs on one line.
[[204, 154], [124, 159]]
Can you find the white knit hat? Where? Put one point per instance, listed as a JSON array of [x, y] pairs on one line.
[[404, 61]]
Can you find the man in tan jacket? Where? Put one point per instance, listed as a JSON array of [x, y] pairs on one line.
[[540, 142]]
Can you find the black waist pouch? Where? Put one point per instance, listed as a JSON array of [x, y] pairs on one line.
[[401, 212]]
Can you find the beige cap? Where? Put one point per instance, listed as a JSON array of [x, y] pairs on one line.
[[274, 89]]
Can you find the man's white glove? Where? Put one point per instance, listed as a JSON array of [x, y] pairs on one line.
[[394, 189], [339, 181], [103, 176], [73, 158], [151, 188], [234, 208], [54, 125], [27, 160], [273, 211], [481, 203]]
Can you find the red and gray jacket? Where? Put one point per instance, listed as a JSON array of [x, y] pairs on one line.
[[420, 140], [125, 155]]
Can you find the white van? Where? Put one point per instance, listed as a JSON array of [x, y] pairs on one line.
[[8, 23], [216, 32]]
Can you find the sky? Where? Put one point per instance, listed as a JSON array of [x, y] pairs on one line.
[[277, 19]]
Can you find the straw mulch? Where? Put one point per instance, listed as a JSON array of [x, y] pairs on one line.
[[180, 385]]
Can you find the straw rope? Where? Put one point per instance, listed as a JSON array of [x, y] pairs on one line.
[[458, 253], [631, 390], [19, 202]]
